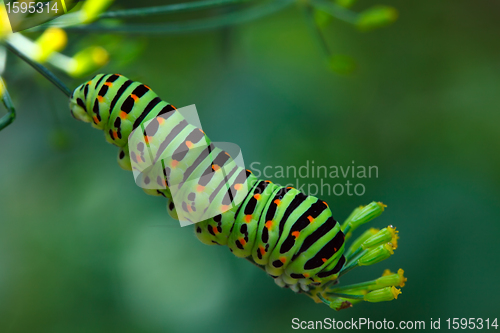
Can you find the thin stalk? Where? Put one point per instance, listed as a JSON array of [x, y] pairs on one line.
[[220, 21], [41, 69], [316, 31], [11, 110], [351, 264], [348, 268], [354, 286], [354, 259], [354, 254], [336, 11], [174, 8], [347, 296], [324, 300]]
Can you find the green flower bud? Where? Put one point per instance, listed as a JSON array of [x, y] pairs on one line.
[[390, 279], [360, 240], [376, 17], [88, 60], [385, 235], [382, 295], [366, 214], [376, 255]]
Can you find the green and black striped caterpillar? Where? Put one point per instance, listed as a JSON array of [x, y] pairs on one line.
[[291, 235]]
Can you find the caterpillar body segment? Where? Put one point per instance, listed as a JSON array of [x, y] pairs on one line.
[[294, 237]]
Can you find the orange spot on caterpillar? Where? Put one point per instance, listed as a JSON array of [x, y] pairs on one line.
[[109, 84], [238, 187], [291, 188], [115, 135], [310, 218], [214, 229], [123, 115], [161, 120], [283, 259], [248, 218], [227, 154], [96, 120], [200, 188], [139, 159], [262, 250], [269, 224], [324, 259], [277, 202], [306, 275], [89, 83], [296, 234], [224, 208], [215, 167], [136, 99], [268, 181], [243, 241], [257, 196], [174, 163], [146, 139], [189, 144], [147, 87], [249, 171], [100, 99], [325, 203]]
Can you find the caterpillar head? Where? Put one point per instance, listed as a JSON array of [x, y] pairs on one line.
[[77, 105]]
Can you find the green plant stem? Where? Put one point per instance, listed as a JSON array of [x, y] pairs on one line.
[[41, 69], [347, 296], [354, 259], [324, 300], [336, 11], [316, 31], [220, 21], [174, 8], [354, 254], [348, 268], [11, 110], [354, 286]]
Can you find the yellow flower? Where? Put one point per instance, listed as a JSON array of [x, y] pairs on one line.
[[91, 9], [52, 40], [5, 27]]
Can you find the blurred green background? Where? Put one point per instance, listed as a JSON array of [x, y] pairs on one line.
[[83, 249]]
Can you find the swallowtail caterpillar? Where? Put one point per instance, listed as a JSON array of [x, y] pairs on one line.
[[292, 236]]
